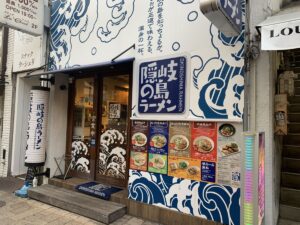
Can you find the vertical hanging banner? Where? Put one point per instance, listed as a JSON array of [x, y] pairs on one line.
[[24, 15], [37, 126], [261, 177]]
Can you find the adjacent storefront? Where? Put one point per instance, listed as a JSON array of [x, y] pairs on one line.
[[167, 125]]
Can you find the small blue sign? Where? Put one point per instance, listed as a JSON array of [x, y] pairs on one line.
[[162, 86], [233, 11], [208, 171], [158, 137]]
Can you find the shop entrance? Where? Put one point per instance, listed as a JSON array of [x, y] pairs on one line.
[[98, 124]]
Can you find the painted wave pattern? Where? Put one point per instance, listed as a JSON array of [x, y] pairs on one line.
[[69, 19], [120, 13], [210, 201], [80, 157], [78, 19], [112, 160], [220, 80]]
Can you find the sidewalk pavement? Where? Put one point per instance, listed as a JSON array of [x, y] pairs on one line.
[[20, 211]]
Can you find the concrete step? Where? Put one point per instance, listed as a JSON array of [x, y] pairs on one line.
[[292, 139], [294, 117], [290, 180], [84, 205], [289, 196], [294, 99], [289, 212], [291, 151], [294, 127], [291, 165]]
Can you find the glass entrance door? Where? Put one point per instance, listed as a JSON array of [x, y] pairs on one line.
[[114, 124]]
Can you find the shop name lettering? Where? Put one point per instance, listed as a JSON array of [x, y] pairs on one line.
[[39, 126], [162, 86], [287, 31]]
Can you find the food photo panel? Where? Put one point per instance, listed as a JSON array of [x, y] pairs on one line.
[[229, 154], [183, 167], [138, 160], [158, 137], [158, 163], [179, 139], [204, 141], [139, 137]]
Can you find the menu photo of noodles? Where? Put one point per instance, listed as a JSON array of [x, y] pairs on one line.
[[158, 137], [179, 139], [204, 141], [183, 167], [158, 163], [138, 160], [139, 135]]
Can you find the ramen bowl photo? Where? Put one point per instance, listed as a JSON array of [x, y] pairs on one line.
[[203, 144]]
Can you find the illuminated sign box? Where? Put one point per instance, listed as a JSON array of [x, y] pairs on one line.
[[226, 15]]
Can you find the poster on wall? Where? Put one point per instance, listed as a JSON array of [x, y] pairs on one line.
[[179, 139], [182, 167], [261, 177], [158, 137], [158, 163], [204, 141], [139, 138], [208, 171], [229, 154], [138, 160]]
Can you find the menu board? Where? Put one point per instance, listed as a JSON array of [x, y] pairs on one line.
[[204, 141], [179, 141], [208, 171], [159, 134], [158, 163], [229, 154], [138, 160], [184, 167], [139, 138]]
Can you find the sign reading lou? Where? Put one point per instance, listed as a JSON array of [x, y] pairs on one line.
[[162, 86], [24, 15]]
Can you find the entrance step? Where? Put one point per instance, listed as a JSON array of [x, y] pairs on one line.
[[291, 165], [289, 196], [289, 212], [84, 205], [294, 117], [291, 151], [290, 180], [294, 108], [292, 139]]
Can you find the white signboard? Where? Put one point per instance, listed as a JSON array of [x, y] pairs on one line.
[[27, 52], [281, 36], [24, 15]]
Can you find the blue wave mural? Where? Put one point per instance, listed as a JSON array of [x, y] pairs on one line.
[[210, 201]]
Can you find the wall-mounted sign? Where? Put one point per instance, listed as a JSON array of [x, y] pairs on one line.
[[24, 15], [162, 86], [27, 52]]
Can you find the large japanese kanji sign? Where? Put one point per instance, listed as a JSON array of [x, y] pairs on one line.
[[162, 86]]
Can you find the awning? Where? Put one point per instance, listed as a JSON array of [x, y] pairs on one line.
[[98, 67], [282, 30]]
